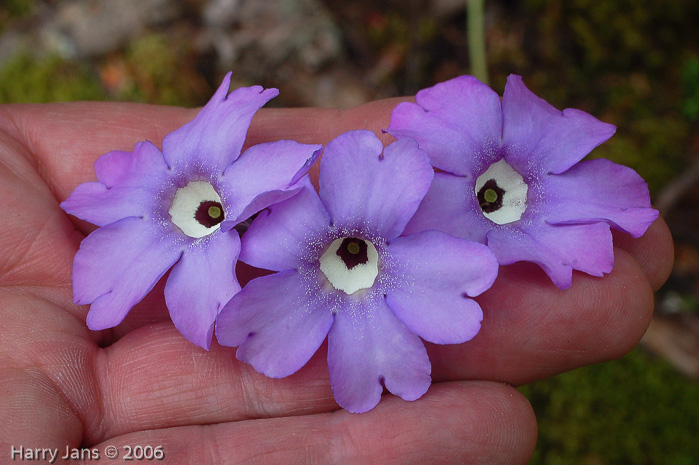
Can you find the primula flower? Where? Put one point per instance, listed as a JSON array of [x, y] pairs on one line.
[[176, 208], [344, 272], [511, 177]]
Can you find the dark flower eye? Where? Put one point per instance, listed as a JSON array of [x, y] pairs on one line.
[[353, 252], [501, 193], [210, 213], [197, 209], [490, 196]]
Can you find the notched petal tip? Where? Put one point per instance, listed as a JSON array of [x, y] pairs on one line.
[[224, 93], [275, 325], [307, 165]]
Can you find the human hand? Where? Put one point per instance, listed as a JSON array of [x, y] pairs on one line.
[[142, 383]]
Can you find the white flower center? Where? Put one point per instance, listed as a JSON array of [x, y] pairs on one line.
[[196, 209], [502, 193], [350, 264]]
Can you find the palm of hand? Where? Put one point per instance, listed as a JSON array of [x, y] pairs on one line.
[[143, 384]]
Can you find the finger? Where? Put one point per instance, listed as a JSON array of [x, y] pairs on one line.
[[37, 240], [454, 423], [654, 251], [532, 330], [153, 309], [47, 389], [65, 140], [33, 414], [154, 378]]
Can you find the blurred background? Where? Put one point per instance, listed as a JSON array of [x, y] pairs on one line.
[[633, 63]]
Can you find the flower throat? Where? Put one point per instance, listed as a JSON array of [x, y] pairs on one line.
[[353, 252]]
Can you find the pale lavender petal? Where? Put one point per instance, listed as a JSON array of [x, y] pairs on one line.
[[118, 165], [437, 274], [145, 165], [599, 190], [542, 139], [457, 122], [557, 249], [201, 283], [128, 182], [280, 237], [95, 203], [277, 322], [450, 206], [369, 346], [117, 265], [359, 186], [214, 138], [266, 174]]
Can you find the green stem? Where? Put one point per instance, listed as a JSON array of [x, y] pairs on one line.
[[475, 26]]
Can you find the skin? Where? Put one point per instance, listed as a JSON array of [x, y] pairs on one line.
[[143, 384]]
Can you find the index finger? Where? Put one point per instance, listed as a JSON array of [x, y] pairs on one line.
[[66, 138]]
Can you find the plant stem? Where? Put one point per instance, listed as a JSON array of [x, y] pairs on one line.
[[475, 27]]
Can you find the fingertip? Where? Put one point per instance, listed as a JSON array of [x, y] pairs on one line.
[[632, 294], [465, 421], [375, 116], [532, 330], [654, 251]]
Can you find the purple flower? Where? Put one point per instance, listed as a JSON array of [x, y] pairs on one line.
[[176, 209], [344, 272], [512, 177]]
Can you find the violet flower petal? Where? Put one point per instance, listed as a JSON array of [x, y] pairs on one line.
[[541, 138], [599, 190], [360, 186], [116, 266], [438, 273], [370, 346], [448, 207], [266, 174], [277, 325], [557, 249], [125, 188], [456, 122], [278, 238], [144, 166], [93, 202], [201, 283], [216, 135]]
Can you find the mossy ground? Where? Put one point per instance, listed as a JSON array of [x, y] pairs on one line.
[[633, 411]]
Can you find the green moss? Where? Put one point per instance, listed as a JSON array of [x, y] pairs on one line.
[[24, 79], [630, 62], [162, 71], [653, 146], [633, 411], [690, 86], [14, 9]]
